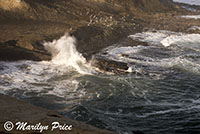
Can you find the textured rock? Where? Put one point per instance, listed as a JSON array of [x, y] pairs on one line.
[[95, 23], [108, 65]]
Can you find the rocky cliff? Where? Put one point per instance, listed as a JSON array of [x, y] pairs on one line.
[[25, 24]]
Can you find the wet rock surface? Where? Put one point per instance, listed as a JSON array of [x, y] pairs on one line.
[[109, 65]]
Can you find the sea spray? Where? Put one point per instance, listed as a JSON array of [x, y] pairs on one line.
[[64, 52]]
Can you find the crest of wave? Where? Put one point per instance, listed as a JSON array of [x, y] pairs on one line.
[[64, 52]]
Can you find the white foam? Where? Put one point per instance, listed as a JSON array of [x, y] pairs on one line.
[[190, 40], [123, 50], [167, 38], [154, 37], [46, 77], [56, 77], [64, 52], [42, 78]]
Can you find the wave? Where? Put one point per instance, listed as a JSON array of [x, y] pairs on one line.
[[64, 52]]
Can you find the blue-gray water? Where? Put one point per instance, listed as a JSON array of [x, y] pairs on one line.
[[160, 96]]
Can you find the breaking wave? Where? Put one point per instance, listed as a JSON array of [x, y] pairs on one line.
[[64, 52], [31, 79]]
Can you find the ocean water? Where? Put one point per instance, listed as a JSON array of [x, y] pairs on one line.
[[191, 2], [160, 95]]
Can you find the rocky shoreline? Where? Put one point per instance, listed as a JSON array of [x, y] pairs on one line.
[[96, 24]]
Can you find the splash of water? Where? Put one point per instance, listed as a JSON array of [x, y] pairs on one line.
[[64, 52]]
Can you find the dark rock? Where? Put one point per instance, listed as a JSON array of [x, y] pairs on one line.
[[109, 65], [10, 52]]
